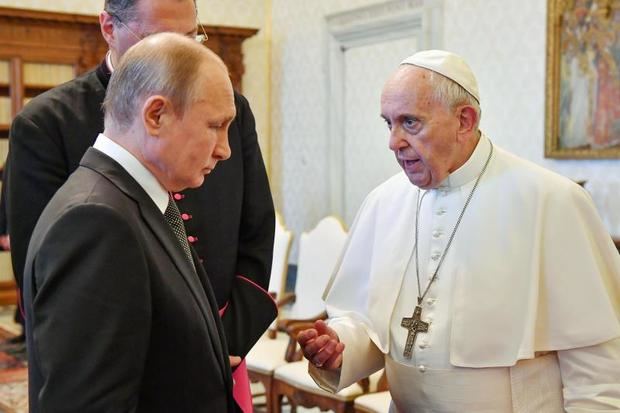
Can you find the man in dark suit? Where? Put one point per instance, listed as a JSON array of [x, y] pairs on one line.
[[229, 220], [118, 316]]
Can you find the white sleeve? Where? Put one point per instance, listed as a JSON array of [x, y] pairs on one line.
[[591, 377], [360, 359]]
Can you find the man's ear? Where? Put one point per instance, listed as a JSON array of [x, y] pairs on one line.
[[468, 119], [106, 24], [155, 113]]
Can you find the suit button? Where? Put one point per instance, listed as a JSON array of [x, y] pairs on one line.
[[186, 217], [192, 239], [178, 197]]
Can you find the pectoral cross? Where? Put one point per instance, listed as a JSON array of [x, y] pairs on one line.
[[414, 325]]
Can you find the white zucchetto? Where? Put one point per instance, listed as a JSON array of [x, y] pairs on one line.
[[447, 64]]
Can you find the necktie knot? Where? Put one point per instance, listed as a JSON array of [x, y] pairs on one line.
[[173, 217]]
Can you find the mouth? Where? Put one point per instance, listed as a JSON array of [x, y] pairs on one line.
[[409, 162], [208, 169]]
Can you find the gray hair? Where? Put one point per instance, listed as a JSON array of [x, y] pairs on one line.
[[169, 68], [452, 94], [124, 10]]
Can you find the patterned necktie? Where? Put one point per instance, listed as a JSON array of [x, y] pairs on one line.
[[173, 217]]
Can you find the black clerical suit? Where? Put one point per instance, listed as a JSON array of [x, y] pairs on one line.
[[232, 215], [118, 319]]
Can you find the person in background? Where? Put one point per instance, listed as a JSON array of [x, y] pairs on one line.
[[480, 281]]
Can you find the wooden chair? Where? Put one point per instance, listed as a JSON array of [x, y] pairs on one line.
[[293, 381], [319, 251], [268, 352], [279, 264], [369, 395], [378, 402], [8, 290]]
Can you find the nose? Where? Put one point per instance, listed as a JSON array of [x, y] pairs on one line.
[[396, 139], [222, 147]]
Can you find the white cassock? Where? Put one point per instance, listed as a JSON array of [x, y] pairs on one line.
[[525, 310]]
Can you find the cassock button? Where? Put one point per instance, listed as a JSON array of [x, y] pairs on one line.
[[177, 196], [431, 301], [435, 256], [441, 211], [423, 345], [192, 239], [437, 233], [186, 217], [422, 368]]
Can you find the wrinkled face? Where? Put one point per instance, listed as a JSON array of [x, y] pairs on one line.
[[189, 146], [154, 16], [423, 132]]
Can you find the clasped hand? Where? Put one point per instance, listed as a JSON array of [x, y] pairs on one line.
[[321, 346]]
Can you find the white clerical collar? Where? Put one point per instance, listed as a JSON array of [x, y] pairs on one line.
[[470, 169], [139, 172], [108, 61]]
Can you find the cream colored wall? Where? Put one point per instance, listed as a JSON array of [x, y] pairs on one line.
[[239, 13], [506, 49], [504, 41]]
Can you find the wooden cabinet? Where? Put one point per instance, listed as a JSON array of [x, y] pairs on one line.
[[39, 50], [54, 44]]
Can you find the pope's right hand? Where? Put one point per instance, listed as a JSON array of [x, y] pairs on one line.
[[321, 346]]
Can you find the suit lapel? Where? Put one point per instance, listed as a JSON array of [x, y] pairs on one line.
[[110, 169]]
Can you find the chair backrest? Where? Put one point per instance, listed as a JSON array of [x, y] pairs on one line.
[[319, 251], [279, 264]]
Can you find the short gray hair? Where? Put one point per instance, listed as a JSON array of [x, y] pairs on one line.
[[452, 94], [150, 67], [124, 10]]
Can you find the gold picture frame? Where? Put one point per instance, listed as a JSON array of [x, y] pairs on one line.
[[583, 79]]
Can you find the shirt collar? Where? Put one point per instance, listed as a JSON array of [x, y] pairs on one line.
[[139, 172], [108, 61], [470, 169]]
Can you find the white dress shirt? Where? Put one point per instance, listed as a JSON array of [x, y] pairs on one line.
[[139, 172]]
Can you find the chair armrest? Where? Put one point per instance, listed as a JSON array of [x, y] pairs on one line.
[[283, 323], [286, 298]]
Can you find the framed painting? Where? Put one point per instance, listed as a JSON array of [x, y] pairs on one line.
[[583, 79]]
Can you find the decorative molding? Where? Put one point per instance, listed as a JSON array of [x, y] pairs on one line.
[[379, 23]]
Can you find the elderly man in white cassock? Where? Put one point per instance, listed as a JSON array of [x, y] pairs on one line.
[[489, 285]]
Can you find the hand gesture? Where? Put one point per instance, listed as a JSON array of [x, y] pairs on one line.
[[321, 346]]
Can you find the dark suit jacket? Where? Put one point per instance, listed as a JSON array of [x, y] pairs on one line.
[[232, 215], [118, 319]]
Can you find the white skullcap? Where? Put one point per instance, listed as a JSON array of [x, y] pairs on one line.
[[448, 64]]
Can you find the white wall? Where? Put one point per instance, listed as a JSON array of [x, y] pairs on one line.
[[506, 49], [299, 152]]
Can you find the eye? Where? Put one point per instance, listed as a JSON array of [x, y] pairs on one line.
[[388, 123], [410, 123]]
